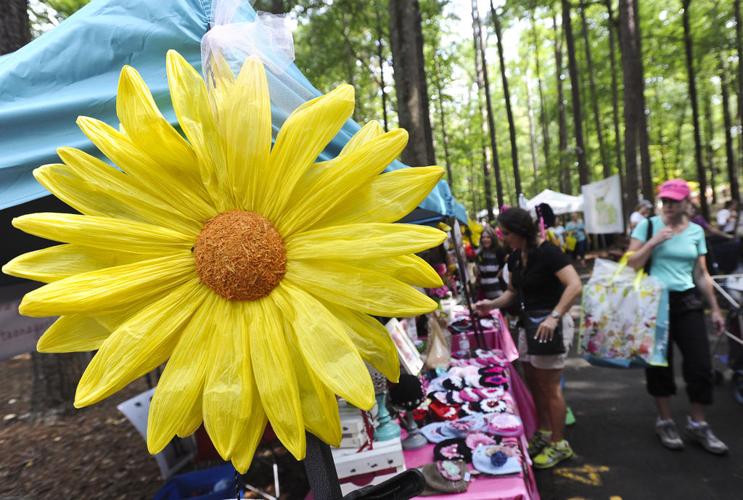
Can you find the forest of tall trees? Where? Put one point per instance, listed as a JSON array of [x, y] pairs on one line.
[[533, 94], [523, 95]]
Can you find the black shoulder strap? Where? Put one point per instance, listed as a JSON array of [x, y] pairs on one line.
[[649, 235]]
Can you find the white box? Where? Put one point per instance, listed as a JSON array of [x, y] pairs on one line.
[[352, 422], [356, 470], [355, 440]]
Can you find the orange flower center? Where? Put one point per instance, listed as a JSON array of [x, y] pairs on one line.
[[240, 255]]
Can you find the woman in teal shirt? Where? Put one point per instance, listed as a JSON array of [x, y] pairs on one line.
[[676, 250]]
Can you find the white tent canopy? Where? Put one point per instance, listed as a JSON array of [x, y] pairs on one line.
[[559, 202]]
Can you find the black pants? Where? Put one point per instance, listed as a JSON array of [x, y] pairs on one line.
[[689, 331]]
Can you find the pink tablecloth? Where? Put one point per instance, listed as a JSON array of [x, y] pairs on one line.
[[511, 487]]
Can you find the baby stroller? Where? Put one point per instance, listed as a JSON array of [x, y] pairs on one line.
[[730, 288]]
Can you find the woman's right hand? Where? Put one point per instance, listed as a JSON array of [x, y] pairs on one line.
[[484, 306], [664, 234]]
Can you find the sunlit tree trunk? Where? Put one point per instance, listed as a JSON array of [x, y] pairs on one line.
[[611, 24], [565, 177], [739, 52], [580, 149], [481, 66], [594, 95], [543, 118], [442, 120], [507, 98], [634, 107], [406, 39], [380, 57], [728, 122], [689, 50]]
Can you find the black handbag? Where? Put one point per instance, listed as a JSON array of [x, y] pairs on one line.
[[531, 321]]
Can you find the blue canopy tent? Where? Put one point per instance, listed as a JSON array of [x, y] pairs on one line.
[[74, 69]]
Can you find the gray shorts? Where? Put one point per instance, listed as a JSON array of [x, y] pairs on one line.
[[549, 361]]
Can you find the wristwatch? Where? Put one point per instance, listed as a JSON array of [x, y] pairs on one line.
[[555, 314]]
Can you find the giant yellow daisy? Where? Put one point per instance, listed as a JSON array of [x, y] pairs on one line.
[[247, 266]]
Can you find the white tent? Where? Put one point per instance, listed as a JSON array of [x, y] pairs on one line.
[[559, 202]]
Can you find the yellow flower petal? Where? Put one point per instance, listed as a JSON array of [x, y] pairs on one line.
[[319, 406], [327, 184], [225, 386], [409, 269], [302, 137], [191, 104], [276, 378], [358, 288], [139, 345], [61, 261], [233, 415], [63, 183], [388, 198], [368, 132], [73, 333], [371, 338], [184, 195], [181, 384], [106, 181], [108, 289], [192, 420], [245, 129], [105, 233], [362, 241], [148, 129], [335, 359]]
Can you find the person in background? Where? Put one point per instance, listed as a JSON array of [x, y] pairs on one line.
[[490, 259], [541, 278], [677, 253], [695, 216], [727, 217], [577, 229], [559, 231], [640, 214]]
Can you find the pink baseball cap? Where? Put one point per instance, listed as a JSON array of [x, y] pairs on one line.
[[674, 189]]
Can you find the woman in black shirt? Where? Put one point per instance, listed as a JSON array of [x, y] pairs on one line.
[[545, 283]]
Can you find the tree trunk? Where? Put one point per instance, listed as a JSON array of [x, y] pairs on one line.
[[55, 378], [728, 122], [14, 26], [709, 137], [442, 120], [406, 39], [739, 52], [594, 95], [380, 56], [633, 97], [614, 89], [484, 85], [507, 97], [543, 119], [532, 139], [580, 150], [646, 176], [688, 47], [565, 177]]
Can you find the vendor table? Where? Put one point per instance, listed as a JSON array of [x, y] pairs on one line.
[[520, 486]]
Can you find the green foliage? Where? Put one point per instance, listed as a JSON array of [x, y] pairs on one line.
[[66, 7]]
